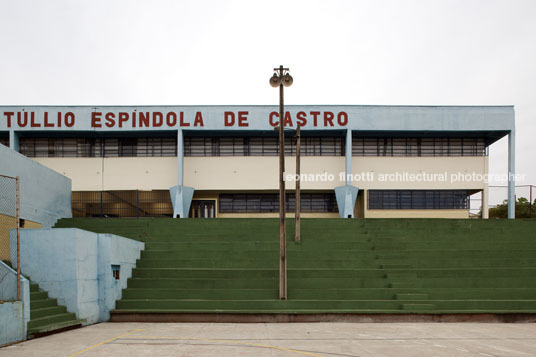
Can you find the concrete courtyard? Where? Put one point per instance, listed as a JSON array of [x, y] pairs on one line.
[[296, 339]]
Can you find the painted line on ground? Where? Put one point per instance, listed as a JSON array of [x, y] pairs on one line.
[[104, 342], [220, 341]]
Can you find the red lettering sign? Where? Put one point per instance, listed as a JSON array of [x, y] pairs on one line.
[[242, 118]]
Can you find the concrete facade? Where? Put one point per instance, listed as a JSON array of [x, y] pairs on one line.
[[75, 266], [215, 174]]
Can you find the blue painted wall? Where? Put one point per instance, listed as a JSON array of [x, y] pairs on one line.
[[11, 322], [74, 266], [45, 194], [120, 251], [14, 315]]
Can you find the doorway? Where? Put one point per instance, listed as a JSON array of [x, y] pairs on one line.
[[203, 209]]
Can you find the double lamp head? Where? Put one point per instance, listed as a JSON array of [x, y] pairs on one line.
[[276, 80]]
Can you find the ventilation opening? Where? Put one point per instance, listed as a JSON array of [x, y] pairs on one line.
[[115, 271]]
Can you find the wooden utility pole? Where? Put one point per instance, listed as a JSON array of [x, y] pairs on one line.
[[282, 198], [298, 184], [282, 78]]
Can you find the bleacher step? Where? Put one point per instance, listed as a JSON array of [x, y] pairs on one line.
[[46, 315], [411, 296], [404, 276], [403, 284], [402, 266], [57, 326], [396, 266], [418, 307]]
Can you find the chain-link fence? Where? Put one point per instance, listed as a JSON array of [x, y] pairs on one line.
[[9, 219], [498, 196]]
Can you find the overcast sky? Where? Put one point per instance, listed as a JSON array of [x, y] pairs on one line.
[[222, 52]]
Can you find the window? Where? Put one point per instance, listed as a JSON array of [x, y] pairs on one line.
[[232, 146], [419, 146], [268, 202], [4, 141], [155, 203], [98, 147], [247, 146], [418, 199], [261, 146], [116, 270]]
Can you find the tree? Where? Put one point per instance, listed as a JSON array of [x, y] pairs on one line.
[[523, 209]]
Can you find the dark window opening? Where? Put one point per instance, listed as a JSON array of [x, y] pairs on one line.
[[419, 146], [116, 269], [261, 146], [268, 202], [155, 203], [418, 199], [98, 147], [4, 141]]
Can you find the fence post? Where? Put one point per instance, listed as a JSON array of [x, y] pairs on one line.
[[530, 202], [137, 204], [18, 236]]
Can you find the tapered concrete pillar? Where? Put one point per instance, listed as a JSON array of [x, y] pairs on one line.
[[347, 195], [181, 196]]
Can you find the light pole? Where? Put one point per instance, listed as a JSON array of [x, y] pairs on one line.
[[282, 78], [298, 188]]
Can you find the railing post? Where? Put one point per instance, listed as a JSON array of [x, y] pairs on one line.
[[530, 202], [18, 236]]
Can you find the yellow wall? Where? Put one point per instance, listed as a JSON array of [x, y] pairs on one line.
[[255, 173], [252, 172], [124, 173], [7, 223], [31, 225], [416, 165], [260, 173]]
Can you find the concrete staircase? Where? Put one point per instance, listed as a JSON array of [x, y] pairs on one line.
[[397, 266], [46, 315]]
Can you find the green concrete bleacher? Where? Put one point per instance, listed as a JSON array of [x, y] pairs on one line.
[[430, 266], [46, 315]]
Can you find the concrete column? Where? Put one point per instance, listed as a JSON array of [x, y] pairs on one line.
[[180, 156], [14, 140], [181, 196], [346, 195], [348, 166], [511, 174], [485, 204], [485, 192]]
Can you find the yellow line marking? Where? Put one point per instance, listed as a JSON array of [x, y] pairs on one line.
[[103, 342], [224, 341]]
